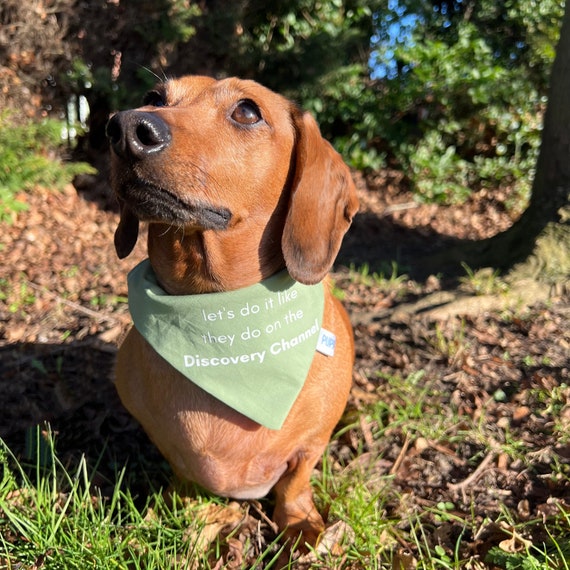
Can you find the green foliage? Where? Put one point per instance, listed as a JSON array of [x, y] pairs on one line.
[[390, 279], [532, 558], [540, 20], [449, 91], [347, 113], [155, 34], [461, 107], [29, 158], [176, 23], [16, 297], [9, 204], [293, 44], [439, 174], [475, 117], [316, 53], [482, 282]]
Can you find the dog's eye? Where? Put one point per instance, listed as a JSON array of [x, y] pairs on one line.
[[154, 98], [246, 113]]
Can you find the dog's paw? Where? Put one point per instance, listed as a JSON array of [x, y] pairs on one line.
[[303, 536]]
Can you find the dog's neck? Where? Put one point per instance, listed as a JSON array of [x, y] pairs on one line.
[[190, 262]]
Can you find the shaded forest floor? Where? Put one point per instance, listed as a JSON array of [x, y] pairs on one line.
[[494, 385]]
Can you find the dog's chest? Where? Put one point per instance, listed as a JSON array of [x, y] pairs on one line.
[[228, 456], [250, 348]]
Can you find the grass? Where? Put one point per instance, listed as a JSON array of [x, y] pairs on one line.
[[371, 484], [388, 279], [16, 296], [484, 281], [53, 516], [448, 344]]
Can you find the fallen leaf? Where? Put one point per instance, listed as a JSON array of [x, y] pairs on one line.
[[516, 543], [211, 521], [333, 542], [404, 560], [520, 413]]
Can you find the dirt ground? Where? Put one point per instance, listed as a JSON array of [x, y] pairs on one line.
[[63, 313]]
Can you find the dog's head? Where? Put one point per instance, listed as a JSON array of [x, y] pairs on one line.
[[210, 155]]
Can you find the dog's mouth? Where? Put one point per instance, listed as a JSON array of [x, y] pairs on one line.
[[152, 203]]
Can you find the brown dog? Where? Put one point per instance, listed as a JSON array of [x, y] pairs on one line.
[[237, 185]]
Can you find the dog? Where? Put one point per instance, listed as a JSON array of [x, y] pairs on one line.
[[241, 193]]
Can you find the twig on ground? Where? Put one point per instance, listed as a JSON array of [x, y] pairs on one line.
[[462, 486], [259, 511], [401, 455], [399, 207], [76, 306]]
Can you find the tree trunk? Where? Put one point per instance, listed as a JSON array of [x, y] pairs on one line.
[[550, 191]]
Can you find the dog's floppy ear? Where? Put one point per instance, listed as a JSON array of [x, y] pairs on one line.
[[127, 231], [322, 204]]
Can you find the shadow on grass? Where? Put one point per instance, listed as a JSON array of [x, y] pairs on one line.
[[378, 242], [69, 388]]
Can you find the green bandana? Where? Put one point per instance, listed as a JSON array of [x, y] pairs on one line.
[[250, 348]]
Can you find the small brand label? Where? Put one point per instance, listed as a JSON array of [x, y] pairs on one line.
[[326, 343]]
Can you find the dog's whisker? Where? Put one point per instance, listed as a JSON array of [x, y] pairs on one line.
[[166, 230], [147, 69]]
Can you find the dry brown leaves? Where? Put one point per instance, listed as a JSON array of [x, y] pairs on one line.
[[61, 318]]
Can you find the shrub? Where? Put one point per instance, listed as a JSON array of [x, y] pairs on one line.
[[29, 157]]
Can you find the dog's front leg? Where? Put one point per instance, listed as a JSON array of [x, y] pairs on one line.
[[295, 512]]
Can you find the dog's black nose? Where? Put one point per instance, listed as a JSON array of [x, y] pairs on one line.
[[137, 135]]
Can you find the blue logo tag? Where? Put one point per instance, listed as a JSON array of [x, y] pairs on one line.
[[326, 343]]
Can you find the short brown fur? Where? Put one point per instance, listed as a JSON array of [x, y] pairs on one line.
[[290, 199]]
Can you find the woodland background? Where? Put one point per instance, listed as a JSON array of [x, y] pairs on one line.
[[454, 451]]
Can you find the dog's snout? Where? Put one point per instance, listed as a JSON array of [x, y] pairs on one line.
[[137, 135]]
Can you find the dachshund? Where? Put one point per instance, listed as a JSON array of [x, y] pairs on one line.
[[241, 193]]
